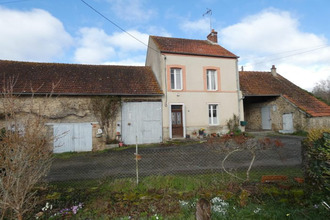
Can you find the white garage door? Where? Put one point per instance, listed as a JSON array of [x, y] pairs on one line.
[[71, 137], [142, 120]]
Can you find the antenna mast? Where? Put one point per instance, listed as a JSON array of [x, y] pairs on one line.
[[209, 13]]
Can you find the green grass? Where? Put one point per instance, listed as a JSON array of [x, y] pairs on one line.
[[162, 197]]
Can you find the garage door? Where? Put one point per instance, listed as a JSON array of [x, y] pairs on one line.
[[70, 137], [142, 120]]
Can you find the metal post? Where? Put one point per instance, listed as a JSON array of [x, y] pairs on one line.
[[136, 159]]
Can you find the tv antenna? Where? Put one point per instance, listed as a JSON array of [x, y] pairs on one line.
[[209, 13]]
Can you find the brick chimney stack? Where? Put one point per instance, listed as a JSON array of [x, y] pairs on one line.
[[213, 36], [273, 71]]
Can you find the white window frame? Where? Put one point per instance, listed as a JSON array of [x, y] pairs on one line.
[[174, 72], [211, 119], [209, 73]]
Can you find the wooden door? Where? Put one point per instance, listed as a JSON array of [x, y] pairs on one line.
[[177, 123], [266, 121], [142, 120], [288, 122], [72, 137]]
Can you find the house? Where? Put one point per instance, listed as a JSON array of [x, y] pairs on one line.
[[200, 83], [272, 102], [74, 85]]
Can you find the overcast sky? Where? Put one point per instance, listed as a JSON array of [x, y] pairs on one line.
[[291, 34]]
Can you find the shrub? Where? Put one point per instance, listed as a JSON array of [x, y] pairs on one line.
[[317, 160]]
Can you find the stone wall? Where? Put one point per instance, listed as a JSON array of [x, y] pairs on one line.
[[61, 109], [318, 122], [278, 107]]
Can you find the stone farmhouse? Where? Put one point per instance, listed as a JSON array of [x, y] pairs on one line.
[[272, 102], [186, 85]]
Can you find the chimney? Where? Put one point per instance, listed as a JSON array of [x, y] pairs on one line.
[[213, 36], [273, 71]]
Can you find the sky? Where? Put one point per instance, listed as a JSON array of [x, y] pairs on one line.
[[293, 35]]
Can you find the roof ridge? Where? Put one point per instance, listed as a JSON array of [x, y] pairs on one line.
[[72, 64], [178, 38]]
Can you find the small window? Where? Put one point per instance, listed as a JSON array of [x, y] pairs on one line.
[[213, 114], [212, 80], [176, 79]]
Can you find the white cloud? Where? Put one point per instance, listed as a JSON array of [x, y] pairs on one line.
[[127, 62], [201, 25], [273, 37], [96, 46], [33, 35], [127, 42], [132, 10]]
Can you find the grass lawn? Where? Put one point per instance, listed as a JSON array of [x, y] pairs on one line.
[[175, 197]]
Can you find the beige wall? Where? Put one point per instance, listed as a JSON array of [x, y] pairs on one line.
[[194, 97]]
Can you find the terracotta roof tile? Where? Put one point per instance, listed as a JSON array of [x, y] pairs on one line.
[[191, 47], [78, 79], [264, 83]]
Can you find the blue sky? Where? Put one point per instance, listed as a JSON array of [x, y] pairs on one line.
[[291, 34]]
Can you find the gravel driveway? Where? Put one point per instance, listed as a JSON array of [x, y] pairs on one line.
[[190, 159]]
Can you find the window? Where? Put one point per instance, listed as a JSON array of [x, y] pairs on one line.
[[213, 114], [211, 77], [176, 79]]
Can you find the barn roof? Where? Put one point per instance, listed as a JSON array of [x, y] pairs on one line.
[[255, 83], [78, 79]]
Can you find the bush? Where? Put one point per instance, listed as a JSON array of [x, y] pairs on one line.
[[317, 161]]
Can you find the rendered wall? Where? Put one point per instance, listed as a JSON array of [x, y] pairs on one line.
[[194, 97]]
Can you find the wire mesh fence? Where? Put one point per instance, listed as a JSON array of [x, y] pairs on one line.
[[191, 159]]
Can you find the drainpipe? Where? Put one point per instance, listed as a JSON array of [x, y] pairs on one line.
[[238, 90], [165, 81]]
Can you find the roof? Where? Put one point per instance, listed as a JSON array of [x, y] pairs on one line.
[[191, 47], [78, 79], [265, 84]]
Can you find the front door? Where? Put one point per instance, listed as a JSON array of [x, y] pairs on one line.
[[177, 124]]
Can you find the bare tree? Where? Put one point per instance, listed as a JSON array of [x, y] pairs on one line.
[[25, 152], [322, 90], [106, 109]]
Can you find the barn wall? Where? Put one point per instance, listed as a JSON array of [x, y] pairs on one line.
[[278, 107]]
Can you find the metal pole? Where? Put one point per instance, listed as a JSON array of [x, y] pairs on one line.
[[136, 159]]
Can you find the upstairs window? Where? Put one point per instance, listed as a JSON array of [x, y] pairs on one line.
[[212, 80], [213, 114], [176, 79]]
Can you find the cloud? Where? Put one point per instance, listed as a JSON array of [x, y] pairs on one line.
[[127, 42], [132, 10], [33, 35], [95, 46], [201, 25], [273, 37]]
